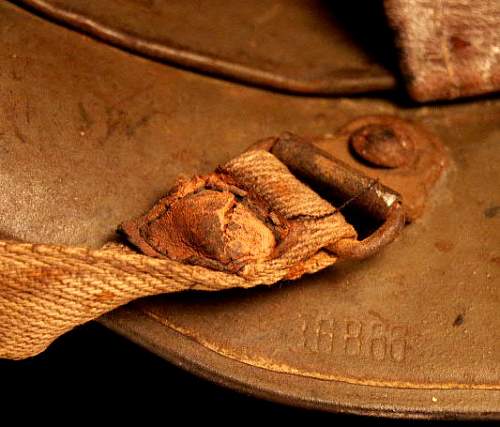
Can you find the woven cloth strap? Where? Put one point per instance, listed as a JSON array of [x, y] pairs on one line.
[[46, 290]]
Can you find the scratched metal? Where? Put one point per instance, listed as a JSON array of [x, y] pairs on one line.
[[91, 136], [306, 46]]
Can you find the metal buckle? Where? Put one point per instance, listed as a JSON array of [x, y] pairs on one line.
[[313, 164]]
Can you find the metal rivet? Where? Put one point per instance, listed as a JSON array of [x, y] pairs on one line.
[[381, 146]]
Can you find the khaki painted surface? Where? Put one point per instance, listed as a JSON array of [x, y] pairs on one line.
[[91, 136]]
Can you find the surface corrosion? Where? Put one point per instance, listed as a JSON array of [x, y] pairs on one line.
[[398, 153], [209, 221], [213, 222], [390, 319], [342, 183]]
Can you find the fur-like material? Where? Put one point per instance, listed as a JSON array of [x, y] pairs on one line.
[[450, 48]]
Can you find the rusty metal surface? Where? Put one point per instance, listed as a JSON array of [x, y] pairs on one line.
[[91, 136], [304, 46], [414, 180], [318, 166]]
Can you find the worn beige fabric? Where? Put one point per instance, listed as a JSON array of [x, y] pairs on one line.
[[46, 290], [449, 48]]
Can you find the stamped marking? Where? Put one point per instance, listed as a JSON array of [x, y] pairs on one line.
[[354, 338], [400, 338]]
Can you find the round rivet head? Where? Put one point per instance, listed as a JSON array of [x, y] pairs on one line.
[[382, 146]]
